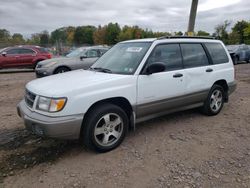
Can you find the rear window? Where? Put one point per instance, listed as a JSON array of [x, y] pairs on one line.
[[43, 50], [217, 53], [193, 55], [25, 51]]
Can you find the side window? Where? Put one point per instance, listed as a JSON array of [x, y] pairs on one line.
[[92, 53], [103, 51], [169, 54], [217, 53], [26, 51], [193, 55], [12, 51]]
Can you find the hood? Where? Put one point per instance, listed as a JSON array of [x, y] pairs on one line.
[[58, 60], [60, 85]]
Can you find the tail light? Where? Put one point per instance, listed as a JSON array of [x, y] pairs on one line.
[[49, 56]]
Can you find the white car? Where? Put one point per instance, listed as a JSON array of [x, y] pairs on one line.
[[134, 81]]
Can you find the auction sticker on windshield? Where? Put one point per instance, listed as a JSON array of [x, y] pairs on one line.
[[134, 49]]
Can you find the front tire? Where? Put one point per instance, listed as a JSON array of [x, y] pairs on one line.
[[60, 70], [105, 127], [236, 60], [215, 101]]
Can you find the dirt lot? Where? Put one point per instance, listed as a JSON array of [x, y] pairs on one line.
[[185, 149]]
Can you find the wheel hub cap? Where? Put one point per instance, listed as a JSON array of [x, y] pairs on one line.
[[108, 129]]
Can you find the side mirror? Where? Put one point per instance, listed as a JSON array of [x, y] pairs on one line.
[[4, 54], [83, 57], [155, 68]]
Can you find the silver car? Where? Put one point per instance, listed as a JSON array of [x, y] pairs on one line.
[[239, 53], [81, 58]]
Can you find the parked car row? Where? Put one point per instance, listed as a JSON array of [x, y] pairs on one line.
[[239, 53], [38, 58], [22, 56]]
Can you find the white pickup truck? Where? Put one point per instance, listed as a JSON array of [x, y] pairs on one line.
[[133, 82]]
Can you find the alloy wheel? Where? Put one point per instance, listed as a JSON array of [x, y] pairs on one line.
[[108, 129]]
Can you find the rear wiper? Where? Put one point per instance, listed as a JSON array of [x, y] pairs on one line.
[[100, 69]]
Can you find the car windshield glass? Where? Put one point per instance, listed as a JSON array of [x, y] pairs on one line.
[[123, 58], [76, 53], [232, 48]]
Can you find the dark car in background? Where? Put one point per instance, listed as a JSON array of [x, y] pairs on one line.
[[80, 58], [239, 53], [26, 56]]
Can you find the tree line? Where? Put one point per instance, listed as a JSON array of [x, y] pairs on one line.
[[112, 33]]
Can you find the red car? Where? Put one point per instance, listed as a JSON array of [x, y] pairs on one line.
[[22, 56]]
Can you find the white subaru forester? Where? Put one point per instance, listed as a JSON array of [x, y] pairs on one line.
[[134, 81]]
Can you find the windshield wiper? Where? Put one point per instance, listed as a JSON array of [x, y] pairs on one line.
[[100, 69]]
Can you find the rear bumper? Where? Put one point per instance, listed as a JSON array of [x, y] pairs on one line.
[[232, 87], [66, 127]]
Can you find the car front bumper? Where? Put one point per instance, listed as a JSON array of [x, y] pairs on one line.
[[42, 72], [65, 127]]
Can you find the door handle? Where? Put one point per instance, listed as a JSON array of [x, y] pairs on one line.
[[209, 70], [177, 75]]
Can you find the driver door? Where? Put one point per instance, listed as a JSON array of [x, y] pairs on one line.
[[91, 56], [162, 91]]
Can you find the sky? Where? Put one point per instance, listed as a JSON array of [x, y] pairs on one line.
[[33, 16]]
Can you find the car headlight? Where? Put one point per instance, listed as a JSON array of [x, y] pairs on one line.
[[50, 64], [50, 104]]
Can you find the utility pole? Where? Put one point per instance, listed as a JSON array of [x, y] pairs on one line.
[[192, 17]]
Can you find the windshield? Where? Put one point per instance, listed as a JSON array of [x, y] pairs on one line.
[[123, 58], [76, 53], [232, 47]]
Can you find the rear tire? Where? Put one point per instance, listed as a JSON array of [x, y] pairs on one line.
[[60, 70], [236, 60], [215, 101], [104, 128]]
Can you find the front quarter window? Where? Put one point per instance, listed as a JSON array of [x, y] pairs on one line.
[[123, 58]]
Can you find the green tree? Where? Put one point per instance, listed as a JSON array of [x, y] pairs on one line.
[[84, 35], [4, 37], [59, 36], [179, 33], [35, 39], [44, 38], [17, 39], [202, 33], [112, 33], [70, 31], [99, 35], [221, 31], [239, 28], [148, 33]]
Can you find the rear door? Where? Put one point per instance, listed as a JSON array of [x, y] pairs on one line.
[[26, 56], [223, 68], [198, 70], [165, 90]]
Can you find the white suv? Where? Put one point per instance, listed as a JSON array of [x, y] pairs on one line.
[[134, 81]]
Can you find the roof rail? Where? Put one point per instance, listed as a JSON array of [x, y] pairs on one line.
[[186, 37]]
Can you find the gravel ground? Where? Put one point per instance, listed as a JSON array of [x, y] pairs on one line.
[[185, 149]]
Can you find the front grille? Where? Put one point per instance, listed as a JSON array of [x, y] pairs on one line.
[[29, 98]]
